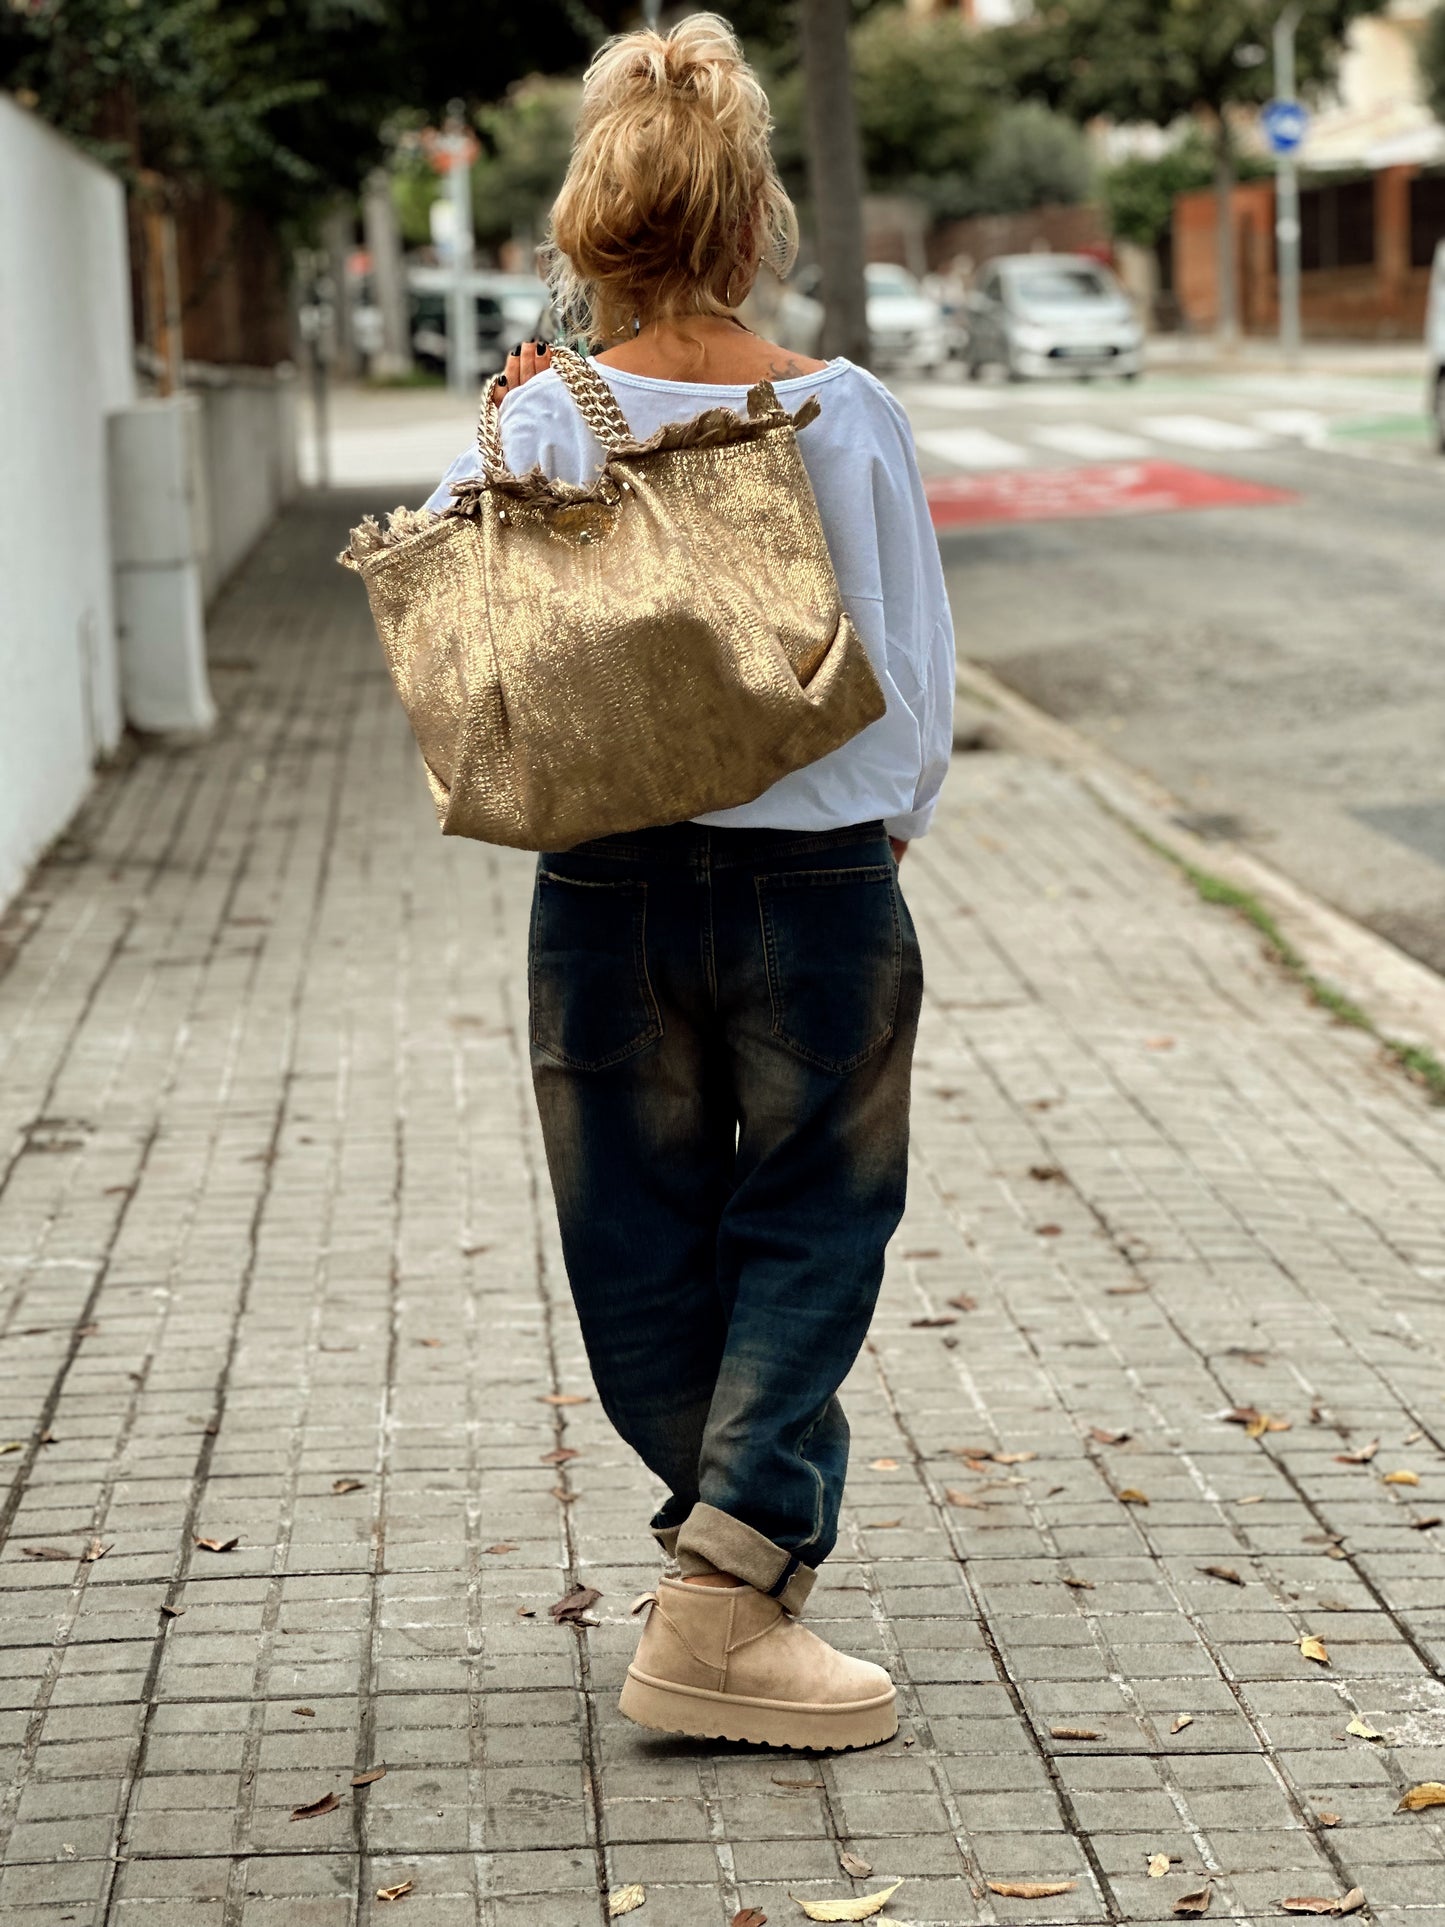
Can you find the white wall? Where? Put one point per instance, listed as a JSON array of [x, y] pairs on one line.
[[248, 436], [65, 360]]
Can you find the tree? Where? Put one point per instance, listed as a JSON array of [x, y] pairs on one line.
[[1033, 158], [927, 98], [1160, 61], [278, 103], [836, 171], [1432, 61]]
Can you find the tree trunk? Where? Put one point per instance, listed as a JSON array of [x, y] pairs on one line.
[[835, 171], [388, 275], [1226, 327]]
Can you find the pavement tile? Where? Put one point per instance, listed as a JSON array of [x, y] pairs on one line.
[[301, 1206]]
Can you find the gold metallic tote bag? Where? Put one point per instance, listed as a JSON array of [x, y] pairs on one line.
[[665, 641]]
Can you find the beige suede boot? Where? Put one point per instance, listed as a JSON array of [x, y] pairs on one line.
[[727, 1663]]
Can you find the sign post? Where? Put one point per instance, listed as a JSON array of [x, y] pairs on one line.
[[453, 155], [1285, 125]]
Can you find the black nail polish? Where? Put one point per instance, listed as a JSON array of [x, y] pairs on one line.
[[514, 351]]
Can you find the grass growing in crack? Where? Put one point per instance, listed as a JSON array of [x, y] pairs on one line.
[[1415, 1060]]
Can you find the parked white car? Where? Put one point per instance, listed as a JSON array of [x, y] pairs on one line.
[[1435, 343], [1041, 315], [905, 325]]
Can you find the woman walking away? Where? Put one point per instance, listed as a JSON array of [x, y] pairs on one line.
[[723, 1011]]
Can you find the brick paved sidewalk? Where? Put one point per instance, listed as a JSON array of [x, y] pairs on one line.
[[284, 1313]]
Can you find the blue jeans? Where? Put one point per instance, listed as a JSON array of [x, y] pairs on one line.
[[722, 1027]]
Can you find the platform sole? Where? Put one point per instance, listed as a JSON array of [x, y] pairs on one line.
[[727, 1716]]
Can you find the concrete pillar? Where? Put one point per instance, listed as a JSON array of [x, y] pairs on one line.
[[159, 530], [1392, 244]]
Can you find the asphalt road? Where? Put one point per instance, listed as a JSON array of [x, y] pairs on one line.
[[1278, 667]]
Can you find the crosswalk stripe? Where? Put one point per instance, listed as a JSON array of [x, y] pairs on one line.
[[1094, 443], [1306, 422], [972, 447], [1202, 431]]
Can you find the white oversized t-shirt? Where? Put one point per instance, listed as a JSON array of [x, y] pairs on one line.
[[859, 456]]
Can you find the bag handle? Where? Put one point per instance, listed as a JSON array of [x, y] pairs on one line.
[[595, 403]]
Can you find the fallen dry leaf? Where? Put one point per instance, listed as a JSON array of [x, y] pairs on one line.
[[1427, 1525], [1049, 1230], [502, 1545], [397, 1892], [1428, 1793], [328, 1803], [1352, 1902], [1124, 1291], [1195, 1903], [219, 1545], [432, 1344], [97, 1549], [1074, 1733], [1184, 1719], [1328, 1819], [339, 1486], [883, 1465], [371, 1775], [851, 1864], [87, 1331], [796, 1786], [1362, 1730], [861, 1909], [1349, 1903], [1013, 1458], [1403, 1477], [1131, 1495], [1079, 1585], [560, 1454], [1251, 1498], [562, 1495], [953, 1495], [1044, 1173], [1360, 1456], [1227, 1573], [749, 1917], [568, 1610], [173, 1612], [1031, 1889], [880, 1525], [1412, 1438], [304, 1712], [526, 1612], [1158, 1865], [46, 1552], [623, 1900], [1314, 1649], [927, 1324], [12, 1445], [565, 1398], [931, 1252], [1266, 1422], [1103, 1436], [964, 1301]]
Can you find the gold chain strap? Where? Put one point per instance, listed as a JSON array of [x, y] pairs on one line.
[[595, 403]]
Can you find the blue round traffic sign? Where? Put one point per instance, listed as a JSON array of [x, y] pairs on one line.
[[1285, 124]]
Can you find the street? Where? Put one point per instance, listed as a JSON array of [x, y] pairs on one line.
[[1276, 665]]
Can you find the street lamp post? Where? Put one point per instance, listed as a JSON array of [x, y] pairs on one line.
[[1286, 216], [459, 147]]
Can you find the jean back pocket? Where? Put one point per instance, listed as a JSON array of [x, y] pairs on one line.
[[591, 1002], [833, 946]]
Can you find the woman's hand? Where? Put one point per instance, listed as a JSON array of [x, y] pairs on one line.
[[528, 358], [898, 847]]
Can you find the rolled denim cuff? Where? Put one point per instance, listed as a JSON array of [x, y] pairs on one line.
[[714, 1541]]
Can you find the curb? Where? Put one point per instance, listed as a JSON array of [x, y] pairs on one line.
[[1404, 999]]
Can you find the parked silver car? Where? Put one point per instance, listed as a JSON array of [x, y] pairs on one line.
[[1038, 315], [905, 324]]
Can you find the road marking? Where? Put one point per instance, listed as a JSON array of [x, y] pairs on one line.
[[946, 395], [972, 447], [1067, 494], [1202, 431], [1303, 422], [1088, 439]]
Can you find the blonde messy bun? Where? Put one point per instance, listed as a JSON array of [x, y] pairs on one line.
[[671, 199]]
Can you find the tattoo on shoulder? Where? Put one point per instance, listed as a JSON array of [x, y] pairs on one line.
[[788, 369]]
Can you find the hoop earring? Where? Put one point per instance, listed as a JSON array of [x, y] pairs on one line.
[[728, 291], [637, 324]]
